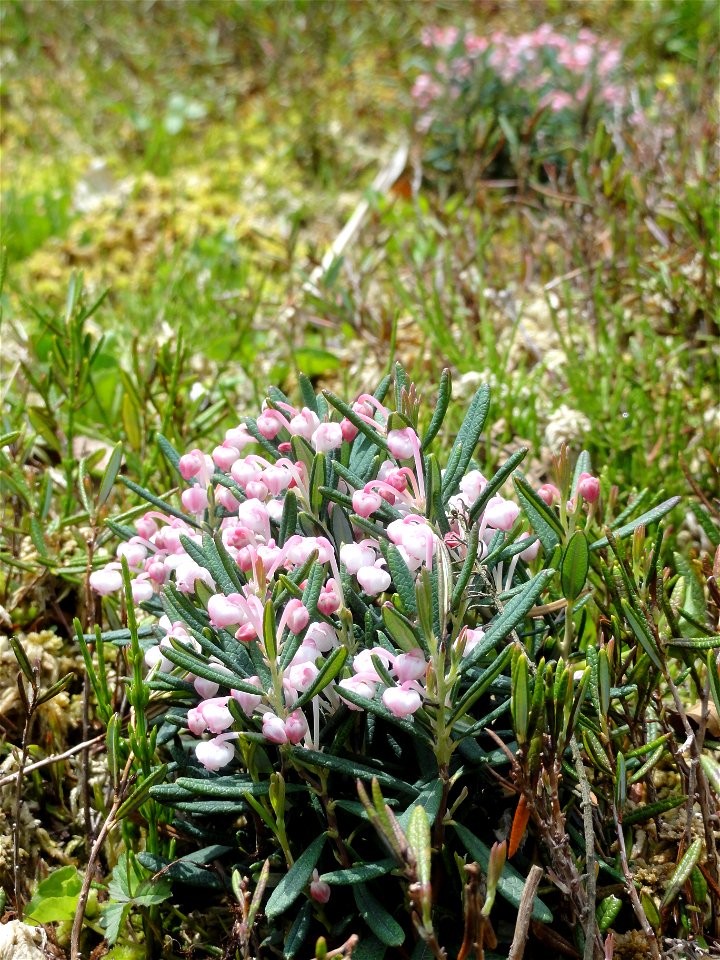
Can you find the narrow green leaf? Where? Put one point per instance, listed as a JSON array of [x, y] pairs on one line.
[[496, 482], [467, 439], [652, 810], [110, 474], [382, 924], [141, 793], [514, 613], [56, 688], [157, 502], [22, 659], [402, 578], [645, 519], [295, 880], [575, 565], [682, 872], [349, 768], [418, 835], [359, 873], [642, 632], [443, 401], [542, 518], [330, 669], [511, 883]]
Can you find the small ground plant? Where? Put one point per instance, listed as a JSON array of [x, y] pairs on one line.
[[373, 686]]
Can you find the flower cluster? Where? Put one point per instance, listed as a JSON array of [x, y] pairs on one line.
[[281, 600], [562, 71]]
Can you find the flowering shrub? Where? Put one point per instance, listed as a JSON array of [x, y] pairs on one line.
[[504, 99], [352, 642]]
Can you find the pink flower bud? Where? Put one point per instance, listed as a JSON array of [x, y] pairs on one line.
[[349, 430], [194, 500], [301, 676], [246, 633], [329, 601], [223, 612], [363, 687], [297, 614], [256, 489], [401, 702], [322, 635], [397, 479], [242, 472], [214, 754], [157, 571], [500, 513], [588, 487], [248, 701], [354, 555], [142, 590], [402, 443], [239, 437], [304, 424], [190, 464], [196, 721], [225, 498], [472, 485], [269, 424], [273, 729], [205, 688], [529, 553], [549, 493], [296, 726], [410, 666], [373, 580], [225, 456], [327, 437], [106, 581], [319, 890], [146, 527], [472, 639], [365, 504], [216, 714], [276, 479], [134, 553]]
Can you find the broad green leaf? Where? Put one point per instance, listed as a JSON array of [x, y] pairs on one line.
[[607, 911], [295, 880], [511, 883], [382, 924], [575, 565], [399, 628]]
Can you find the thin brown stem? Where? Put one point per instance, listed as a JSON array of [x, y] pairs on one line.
[[517, 948]]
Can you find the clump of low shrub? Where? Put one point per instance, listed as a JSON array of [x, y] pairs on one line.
[[517, 104], [385, 698]]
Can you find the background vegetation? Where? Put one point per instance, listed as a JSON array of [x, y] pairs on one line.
[[171, 176]]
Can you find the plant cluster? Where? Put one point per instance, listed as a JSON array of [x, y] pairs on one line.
[[517, 102], [353, 653]]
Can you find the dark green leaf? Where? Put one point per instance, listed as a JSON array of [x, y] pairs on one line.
[[295, 880]]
